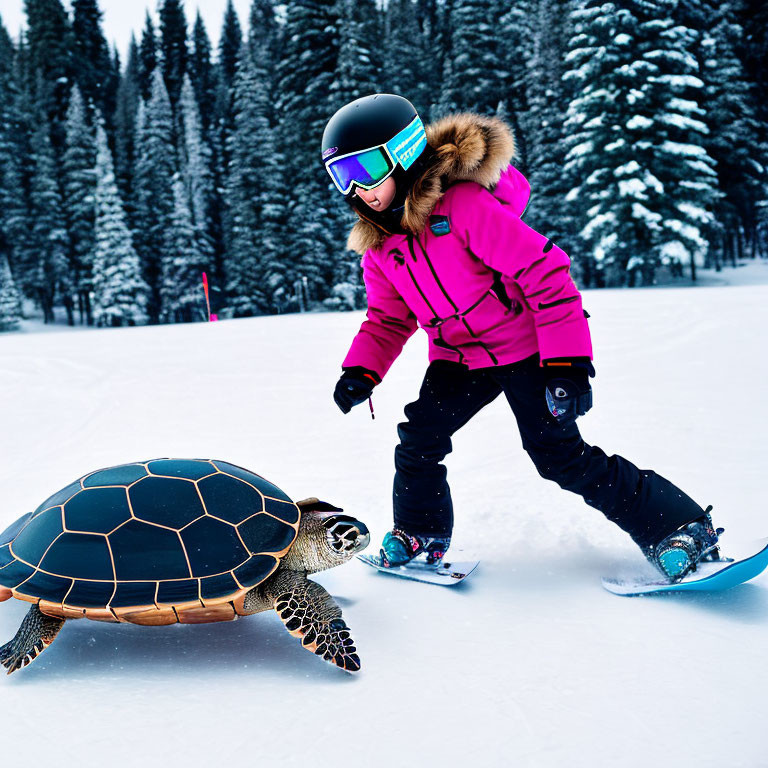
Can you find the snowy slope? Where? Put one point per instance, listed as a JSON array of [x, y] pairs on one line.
[[530, 663]]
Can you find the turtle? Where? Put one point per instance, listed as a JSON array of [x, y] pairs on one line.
[[169, 541]]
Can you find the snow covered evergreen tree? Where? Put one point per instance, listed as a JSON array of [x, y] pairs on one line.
[[50, 66], [264, 30], [173, 46], [153, 188], [119, 292], [12, 208], [230, 43], [202, 73], [432, 51], [542, 123], [53, 276], [91, 60], [472, 83], [182, 264], [356, 73], [79, 187], [147, 57], [256, 266], [403, 50], [733, 140], [10, 300], [128, 97], [520, 35], [195, 157], [304, 83], [639, 175], [14, 150]]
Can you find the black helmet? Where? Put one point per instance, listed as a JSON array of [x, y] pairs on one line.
[[367, 141]]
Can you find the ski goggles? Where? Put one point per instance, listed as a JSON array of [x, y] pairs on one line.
[[367, 168]]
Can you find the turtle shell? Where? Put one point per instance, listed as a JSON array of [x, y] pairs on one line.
[[165, 536]]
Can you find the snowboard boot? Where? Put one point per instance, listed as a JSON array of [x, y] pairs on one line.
[[399, 548], [678, 554]]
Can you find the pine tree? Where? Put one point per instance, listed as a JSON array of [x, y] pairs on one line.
[[128, 97], [14, 214], [111, 87], [432, 50], [49, 234], [256, 265], [92, 64], [680, 161], [196, 179], [7, 55], [355, 72], [229, 49], [79, 187], [50, 65], [518, 31], [153, 188], [201, 73], [230, 42], [147, 57], [403, 52], [304, 84], [542, 123], [639, 176], [264, 30], [472, 84], [173, 46], [182, 264], [119, 292], [17, 119], [229, 46], [733, 140], [10, 300]]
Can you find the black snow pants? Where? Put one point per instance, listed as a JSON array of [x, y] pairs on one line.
[[639, 501]]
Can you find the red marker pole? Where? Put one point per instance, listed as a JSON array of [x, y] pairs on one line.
[[207, 297]]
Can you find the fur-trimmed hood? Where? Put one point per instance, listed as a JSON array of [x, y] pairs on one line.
[[467, 147]]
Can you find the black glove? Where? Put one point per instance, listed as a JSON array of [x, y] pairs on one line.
[[568, 392], [354, 387]]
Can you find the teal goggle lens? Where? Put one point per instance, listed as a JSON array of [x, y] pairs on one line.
[[366, 169]]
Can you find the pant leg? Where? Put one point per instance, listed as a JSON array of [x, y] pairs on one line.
[[639, 501], [449, 397]]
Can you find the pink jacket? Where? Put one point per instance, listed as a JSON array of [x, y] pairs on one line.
[[487, 289]]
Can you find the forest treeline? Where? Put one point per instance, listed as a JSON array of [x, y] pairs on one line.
[[641, 124]]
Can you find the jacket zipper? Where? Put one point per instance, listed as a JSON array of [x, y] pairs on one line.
[[459, 315]]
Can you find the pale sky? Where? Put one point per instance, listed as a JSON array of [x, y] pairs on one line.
[[121, 17]]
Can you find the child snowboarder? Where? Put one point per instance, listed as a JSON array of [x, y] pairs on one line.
[[444, 248]]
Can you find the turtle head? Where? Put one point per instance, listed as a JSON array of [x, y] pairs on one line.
[[327, 538]]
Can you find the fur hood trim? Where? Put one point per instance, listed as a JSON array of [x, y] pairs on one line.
[[467, 147]]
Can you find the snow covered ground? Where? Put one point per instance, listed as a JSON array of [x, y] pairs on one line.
[[529, 663]]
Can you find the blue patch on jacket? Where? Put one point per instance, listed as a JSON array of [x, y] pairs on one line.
[[440, 225]]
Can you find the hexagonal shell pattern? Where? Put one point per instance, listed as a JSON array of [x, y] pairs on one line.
[[150, 521]]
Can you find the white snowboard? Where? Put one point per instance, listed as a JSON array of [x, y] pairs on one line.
[[446, 574]]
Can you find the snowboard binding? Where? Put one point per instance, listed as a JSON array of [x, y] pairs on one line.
[[678, 554], [399, 548]]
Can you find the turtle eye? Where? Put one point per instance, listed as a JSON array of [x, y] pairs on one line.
[[345, 534]]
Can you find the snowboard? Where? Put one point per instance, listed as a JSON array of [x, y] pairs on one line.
[[446, 574], [708, 577]]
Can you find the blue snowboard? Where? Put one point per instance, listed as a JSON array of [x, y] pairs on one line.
[[709, 577]]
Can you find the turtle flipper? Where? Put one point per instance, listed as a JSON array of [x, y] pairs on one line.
[[35, 634], [312, 615]]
